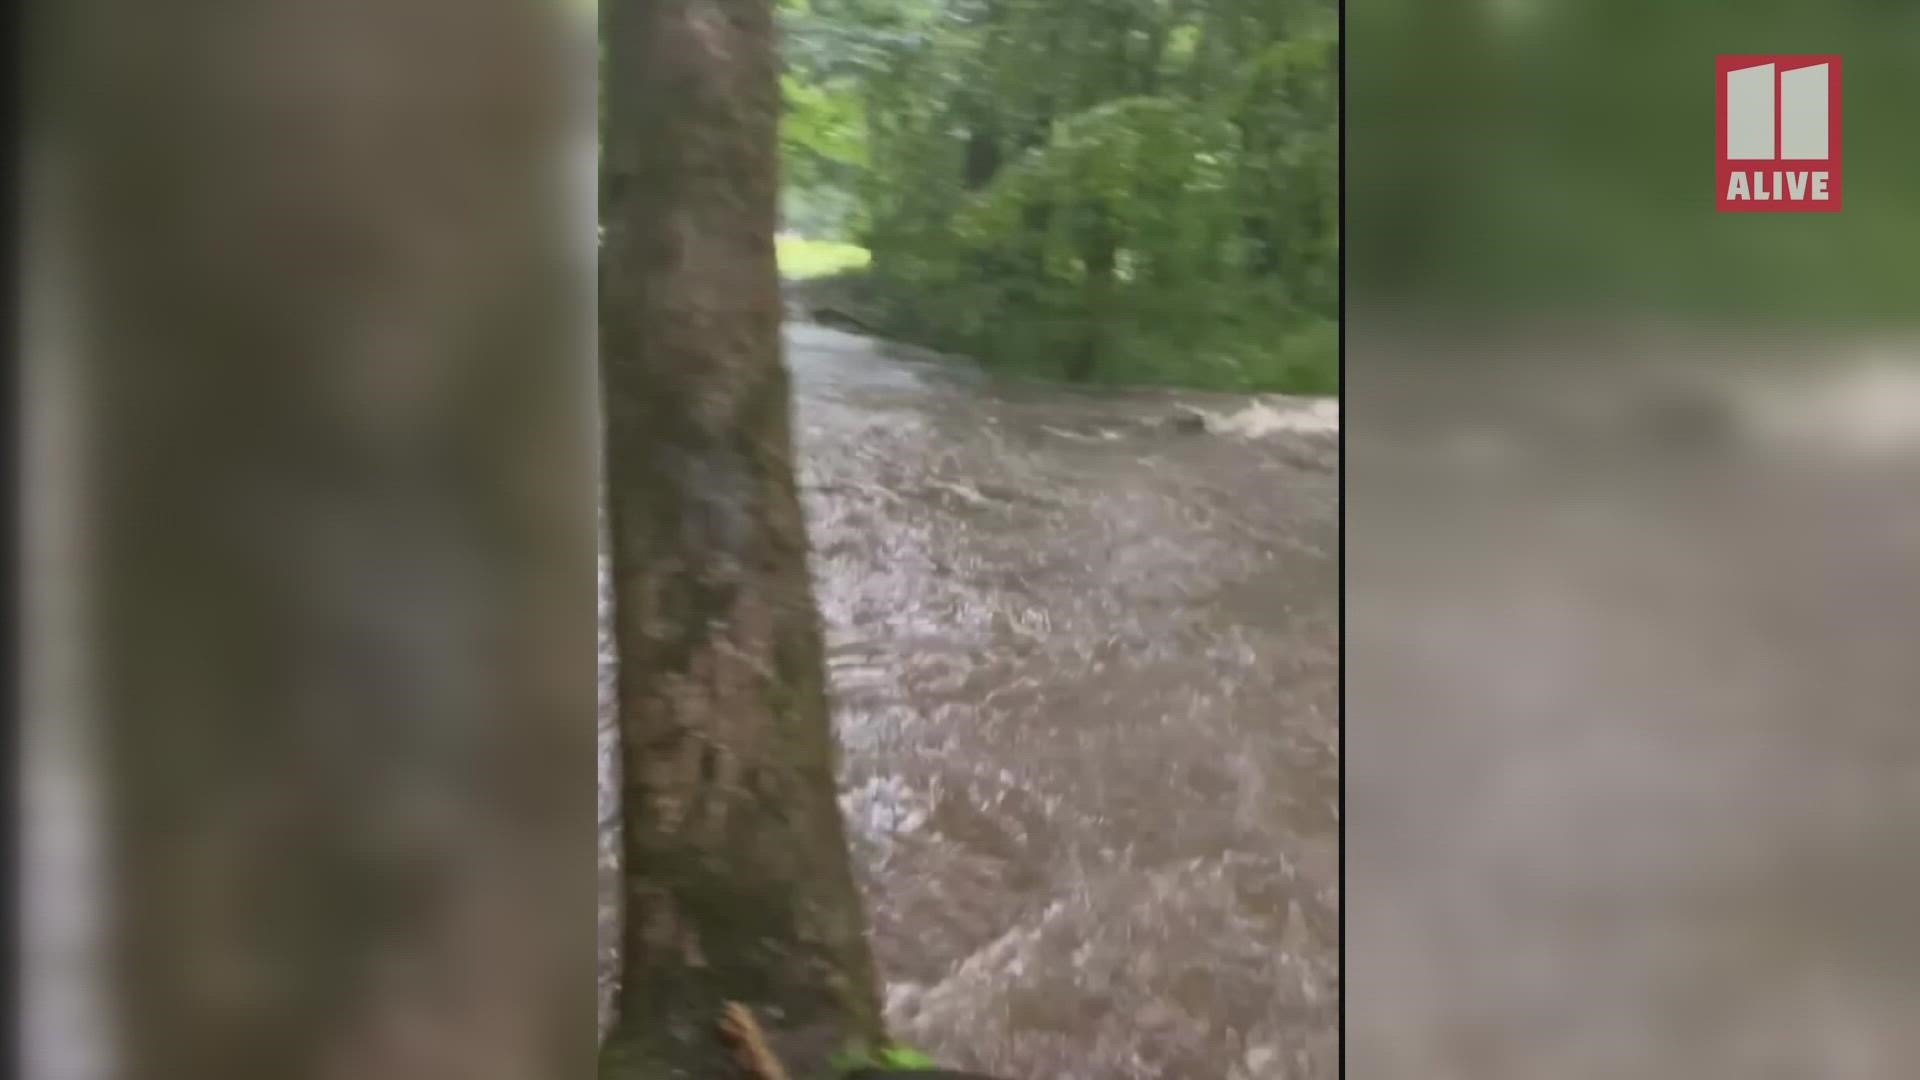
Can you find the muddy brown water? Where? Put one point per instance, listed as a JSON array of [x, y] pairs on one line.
[[1084, 655]]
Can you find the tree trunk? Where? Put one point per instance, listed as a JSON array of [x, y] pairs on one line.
[[1099, 253], [982, 159], [738, 883], [344, 511]]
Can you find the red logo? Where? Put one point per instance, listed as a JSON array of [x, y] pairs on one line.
[[1779, 148]]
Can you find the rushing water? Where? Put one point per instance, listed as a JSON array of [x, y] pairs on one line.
[[1083, 650], [1634, 779]]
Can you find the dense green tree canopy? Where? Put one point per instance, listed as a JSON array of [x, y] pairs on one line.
[[1137, 190]]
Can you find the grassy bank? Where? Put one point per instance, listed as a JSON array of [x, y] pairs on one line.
[[1242, 344], [802, 257]]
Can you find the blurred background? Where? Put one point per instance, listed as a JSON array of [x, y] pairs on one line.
[[1542, 153], [1633, 785], [309, 486]]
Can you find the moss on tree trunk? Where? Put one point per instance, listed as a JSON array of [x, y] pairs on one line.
[[738, 885]]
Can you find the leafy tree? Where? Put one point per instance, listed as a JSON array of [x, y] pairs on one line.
[[1120, 189]]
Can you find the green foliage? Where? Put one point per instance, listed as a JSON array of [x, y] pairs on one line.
[[895, 1057], [821, 140], [902, 1057], [1159, 174], [1109, 190]]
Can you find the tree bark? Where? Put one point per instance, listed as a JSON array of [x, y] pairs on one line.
[[738, 883], [344, 510], [1099, 252]]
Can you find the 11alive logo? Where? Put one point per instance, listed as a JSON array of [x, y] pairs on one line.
[[1779, 148]]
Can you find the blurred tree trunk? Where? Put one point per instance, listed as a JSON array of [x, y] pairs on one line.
[[344, 509], [1100, 253], [738, 881]]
